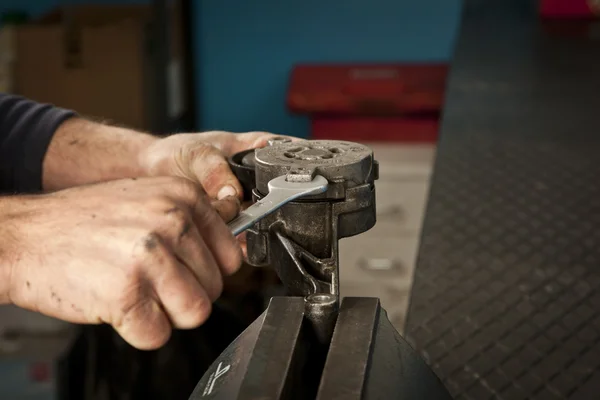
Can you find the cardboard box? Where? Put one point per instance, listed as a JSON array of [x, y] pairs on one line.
[[7, 60], [97, 60]]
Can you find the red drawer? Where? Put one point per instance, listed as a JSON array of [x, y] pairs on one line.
[[367, 89], [376, 129], [569, 8]]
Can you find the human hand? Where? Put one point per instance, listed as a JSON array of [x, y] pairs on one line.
[[202, 157], [143, 255]]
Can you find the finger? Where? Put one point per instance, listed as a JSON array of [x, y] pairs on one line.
[[208, 166], [241, 238], [230, 143], [185, 301], [255, 140], [218, 238], [145, 325], [228, 208], [184, 240]]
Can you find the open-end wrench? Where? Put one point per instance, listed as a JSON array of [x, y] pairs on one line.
[[280, 192]]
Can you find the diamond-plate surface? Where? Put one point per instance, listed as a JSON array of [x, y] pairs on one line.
[[506, 298]]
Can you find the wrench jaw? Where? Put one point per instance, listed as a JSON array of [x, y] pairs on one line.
[[281, 191]]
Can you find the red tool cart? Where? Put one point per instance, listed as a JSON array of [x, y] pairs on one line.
[[368, 102], [569, 8], [571, 18]]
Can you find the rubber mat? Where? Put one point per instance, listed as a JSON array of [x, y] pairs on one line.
[[506, 298]]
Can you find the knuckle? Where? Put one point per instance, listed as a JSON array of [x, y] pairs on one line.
[[215, 290], [227, 210], [130, 304], [208, 155], [197, 151], [217, 172], [204, 308], [232, 260], [198, 309], [135, 268], [141, 319], [146, 333], [159, 336], [158, 203], [191, 192], [202, 150], [178, 221]]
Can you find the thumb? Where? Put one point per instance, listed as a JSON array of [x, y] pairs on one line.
[[207, 165], [228, 208]]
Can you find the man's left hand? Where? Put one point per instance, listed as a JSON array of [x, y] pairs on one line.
[[202, 157]]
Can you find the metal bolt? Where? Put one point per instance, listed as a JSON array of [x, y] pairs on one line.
[[321, 311]]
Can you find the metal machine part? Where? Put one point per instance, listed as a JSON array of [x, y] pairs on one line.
[[300, 240], [308, 346]]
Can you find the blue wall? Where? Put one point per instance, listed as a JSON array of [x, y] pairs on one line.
[[246, 49]]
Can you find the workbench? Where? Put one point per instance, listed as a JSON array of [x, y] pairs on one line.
[[506, 296]]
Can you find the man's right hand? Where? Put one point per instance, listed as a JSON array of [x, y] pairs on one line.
[[143, 255]]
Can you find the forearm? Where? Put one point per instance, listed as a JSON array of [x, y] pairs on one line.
[[83, 152]]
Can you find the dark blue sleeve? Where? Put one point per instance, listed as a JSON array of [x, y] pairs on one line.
[[26, 129]]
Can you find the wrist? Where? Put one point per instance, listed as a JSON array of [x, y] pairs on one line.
[[11, 209], [144, 159]]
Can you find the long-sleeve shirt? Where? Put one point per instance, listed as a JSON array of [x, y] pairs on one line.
[[26, 129]]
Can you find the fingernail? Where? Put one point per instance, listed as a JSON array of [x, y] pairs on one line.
[[226, 191]]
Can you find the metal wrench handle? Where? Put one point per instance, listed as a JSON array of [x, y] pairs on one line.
[[280, 192]]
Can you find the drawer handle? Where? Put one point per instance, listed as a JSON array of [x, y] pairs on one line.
[[379, 265]]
